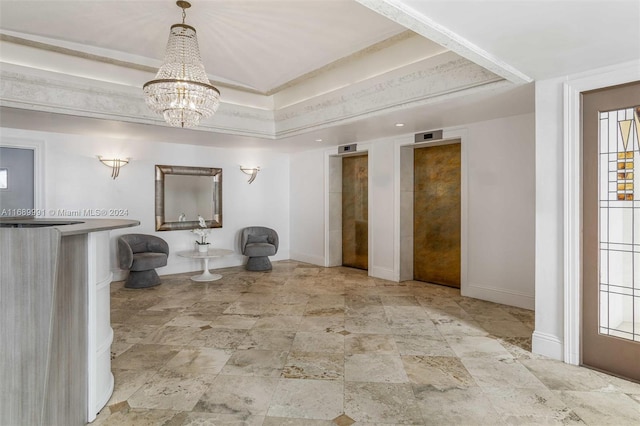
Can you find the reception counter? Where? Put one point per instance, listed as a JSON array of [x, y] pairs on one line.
[[55, 331]]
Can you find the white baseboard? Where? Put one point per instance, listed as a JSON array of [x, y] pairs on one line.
[[307, 258], [118, 275], [547, 345], [384, 273], [180, 265], [281, 255], [498, 295]]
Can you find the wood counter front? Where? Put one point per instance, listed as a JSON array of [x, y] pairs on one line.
[[55, 332]]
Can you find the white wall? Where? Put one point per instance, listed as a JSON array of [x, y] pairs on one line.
[[501, 208], [76, 180], [382, 211], [307, 206]]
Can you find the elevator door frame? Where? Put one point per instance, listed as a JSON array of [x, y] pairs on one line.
[[361, 258], [333, 209], [404, 220]]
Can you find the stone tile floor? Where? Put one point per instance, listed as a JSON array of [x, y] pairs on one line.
[[306, 345]]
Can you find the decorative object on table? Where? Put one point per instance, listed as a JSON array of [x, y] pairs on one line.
[[258, 242], [140, 254], [181, 91], [182, 217], [115, 164], [251, 171], [202, 232]]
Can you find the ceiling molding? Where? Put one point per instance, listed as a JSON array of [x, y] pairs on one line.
[[408, 17], [384, 44], [81, 98], [72, 52], [104, 59], [438, 77], [107, 60]]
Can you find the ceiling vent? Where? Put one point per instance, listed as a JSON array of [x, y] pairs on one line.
[[433, 135]]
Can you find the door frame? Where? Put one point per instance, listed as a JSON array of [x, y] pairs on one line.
[[37, 146], [572, 212], [401, 262], [333, 208], [342, 211]]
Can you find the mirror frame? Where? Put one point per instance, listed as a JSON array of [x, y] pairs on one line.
[[215, 173]]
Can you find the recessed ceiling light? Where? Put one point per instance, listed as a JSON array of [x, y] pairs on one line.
[[399, 124], [318, 140]]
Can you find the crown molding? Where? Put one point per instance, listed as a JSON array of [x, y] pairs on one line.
[[381, 45], [48, 46], [433, 79], [436, 78], [29, 89], [399, 12]]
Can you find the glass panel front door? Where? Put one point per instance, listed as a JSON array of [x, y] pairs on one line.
[[610, 337], [619, 297]]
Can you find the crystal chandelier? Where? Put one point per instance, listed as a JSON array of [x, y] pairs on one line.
[[181, 91]]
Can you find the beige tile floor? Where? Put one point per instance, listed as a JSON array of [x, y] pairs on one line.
[[305, 345]]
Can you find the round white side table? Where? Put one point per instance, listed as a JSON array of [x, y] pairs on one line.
[[212, 253]]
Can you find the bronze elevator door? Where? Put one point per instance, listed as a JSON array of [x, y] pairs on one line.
[[355, 211], [436, 215]]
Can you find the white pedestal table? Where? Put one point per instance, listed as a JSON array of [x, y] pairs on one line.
[[205, 256]]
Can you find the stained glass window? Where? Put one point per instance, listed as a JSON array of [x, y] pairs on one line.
[[619, 224]]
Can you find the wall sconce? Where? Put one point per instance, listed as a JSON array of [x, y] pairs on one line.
[[115, 164], [251, 171]]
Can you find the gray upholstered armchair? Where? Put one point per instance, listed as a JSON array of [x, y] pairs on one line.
[[140, 254], [258, 243]]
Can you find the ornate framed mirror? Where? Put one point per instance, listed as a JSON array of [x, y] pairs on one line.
[[184, 193]]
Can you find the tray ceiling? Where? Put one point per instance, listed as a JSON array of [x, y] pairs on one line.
[[259, 45]]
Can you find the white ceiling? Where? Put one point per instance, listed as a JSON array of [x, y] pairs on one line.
[[265, 46], [543, 38], [254, 44]]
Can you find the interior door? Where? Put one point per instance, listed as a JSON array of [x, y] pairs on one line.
[[355, 211], [611, 226], [17, 185], [436, 214]]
